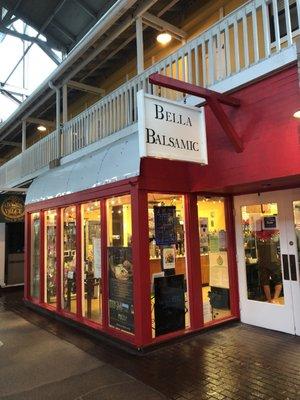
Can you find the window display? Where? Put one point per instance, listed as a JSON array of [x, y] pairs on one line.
[[169, 296], [69, 259], [92, 260], [120, 267], [50, 256], [35, 255], [262, 253], [213, 256]]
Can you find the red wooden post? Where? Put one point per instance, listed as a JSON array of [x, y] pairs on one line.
[[231, 253], [193, 261], [79, 266], [104, 271], [141, 267], [59, 260], [42, 257], [27, 246]]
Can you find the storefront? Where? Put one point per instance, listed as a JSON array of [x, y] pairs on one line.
[[12, 209], [143, 249]]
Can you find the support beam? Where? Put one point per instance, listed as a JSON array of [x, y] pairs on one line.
[[24, 137], [11, 97], [85, 88], [65, 103], [139, 45], [15, 189], [14, 90], [162, 25], [82, 4], [8, 143], [214, 100], [39, 121]]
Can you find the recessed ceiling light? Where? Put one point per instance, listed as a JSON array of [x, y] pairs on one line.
[[296, 114], [164, 38], [41, 128]]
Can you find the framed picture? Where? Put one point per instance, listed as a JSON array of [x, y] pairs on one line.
[[169, 257]]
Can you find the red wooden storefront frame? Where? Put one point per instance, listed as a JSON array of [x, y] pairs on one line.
[[142, 304]]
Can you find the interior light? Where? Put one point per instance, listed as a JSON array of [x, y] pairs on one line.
[[41, 128], [164, 38], [296, 114]]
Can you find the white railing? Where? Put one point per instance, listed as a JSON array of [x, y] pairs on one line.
[[250, 34]]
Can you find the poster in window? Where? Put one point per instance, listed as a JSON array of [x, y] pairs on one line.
[[169, 257], [165, 225], [218, 270], [121, 312], [97, 257]]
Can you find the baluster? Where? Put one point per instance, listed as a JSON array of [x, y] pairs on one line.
[[288, 22], [266, 26], [255, 34], [236, 46], [276, 24], [211, 59], [203, 51], [227, 49], [298, 12], [197, 63], [245, 37]]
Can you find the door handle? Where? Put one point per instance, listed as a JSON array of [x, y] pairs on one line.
[[293, 267], [285, 262]]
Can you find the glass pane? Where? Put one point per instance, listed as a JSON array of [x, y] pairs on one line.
[[69, 259], [213, 258], [92, 260], [169, 295], [262, 253], [50, 256], [120, 268], [296, 205], [35, 256]]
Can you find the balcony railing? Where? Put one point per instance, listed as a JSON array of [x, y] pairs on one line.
[[252, 33]]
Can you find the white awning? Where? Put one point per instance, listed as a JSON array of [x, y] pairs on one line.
[[114, 162]]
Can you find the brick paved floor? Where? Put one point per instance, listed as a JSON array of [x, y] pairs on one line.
[[232, 362]]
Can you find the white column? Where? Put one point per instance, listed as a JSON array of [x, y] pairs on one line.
[[139, 45], [23, 135], [2, 254], [65, 103], [58, 122]]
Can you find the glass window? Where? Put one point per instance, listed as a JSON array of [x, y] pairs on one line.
[[120, 267], [92, 260], [69, 259], [50, 256], [35, 255], [213, 258], [262, 253], [169, 298]]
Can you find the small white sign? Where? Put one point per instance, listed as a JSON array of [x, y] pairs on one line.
[[171, 130]]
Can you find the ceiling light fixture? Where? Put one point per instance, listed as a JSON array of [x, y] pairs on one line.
[[41, 128], [164, 38]]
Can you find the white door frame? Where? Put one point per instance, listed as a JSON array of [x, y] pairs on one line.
[[285, 317]]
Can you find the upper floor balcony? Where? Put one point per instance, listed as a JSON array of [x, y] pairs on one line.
[[253, 40]]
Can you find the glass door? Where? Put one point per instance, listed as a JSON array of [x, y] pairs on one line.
[[266, 249]]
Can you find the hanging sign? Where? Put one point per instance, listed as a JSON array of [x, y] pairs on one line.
[[165, 225], [12, 208], [168, 129]]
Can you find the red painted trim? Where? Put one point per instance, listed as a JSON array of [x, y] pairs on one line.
[[189, 88], [59, 260], [193, 261], [104, 271], [213, 100], [42, 257], [231, 254], [141, 267], [104, 191], [27, 241], [79, 263]]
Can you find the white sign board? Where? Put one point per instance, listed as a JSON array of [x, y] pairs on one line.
[[218, 270], [171, 130]]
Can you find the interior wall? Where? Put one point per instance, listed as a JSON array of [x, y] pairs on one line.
[[2, 253]]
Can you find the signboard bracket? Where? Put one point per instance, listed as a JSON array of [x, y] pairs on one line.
[[214, 100]]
